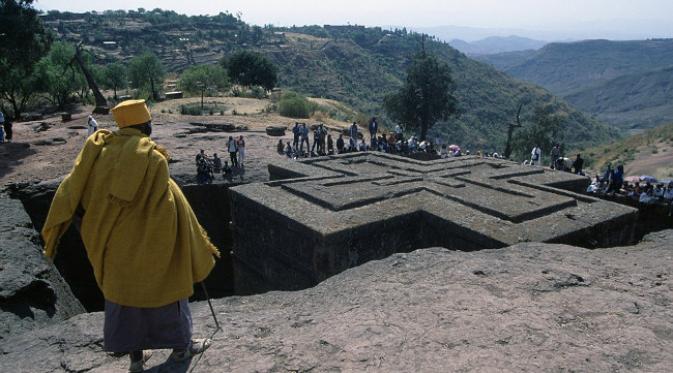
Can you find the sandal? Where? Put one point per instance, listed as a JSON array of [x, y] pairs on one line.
[[196, 347], [139, 365]]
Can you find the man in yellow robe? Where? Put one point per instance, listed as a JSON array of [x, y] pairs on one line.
[[145, 245]]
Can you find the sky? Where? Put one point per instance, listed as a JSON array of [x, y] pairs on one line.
[[618, 19]]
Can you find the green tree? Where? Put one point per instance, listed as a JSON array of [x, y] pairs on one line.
[[23, 41], [146, 71], [251, 69], [425, 97], [114, 77], [543, 130], [57, 77], [204, 79]]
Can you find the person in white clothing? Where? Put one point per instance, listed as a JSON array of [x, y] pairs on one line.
[[240, 145], [92, 126], [535, 156]]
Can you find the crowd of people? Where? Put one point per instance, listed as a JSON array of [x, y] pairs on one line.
[[354, 140], [557, 160], [207, 168], [646, 191]]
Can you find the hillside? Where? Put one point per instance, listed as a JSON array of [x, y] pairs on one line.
[[565, 68], [351, 64], [634, 101], [647, 153], [625, 83], [496, 45]]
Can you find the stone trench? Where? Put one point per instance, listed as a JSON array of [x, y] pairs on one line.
[[213, 206]]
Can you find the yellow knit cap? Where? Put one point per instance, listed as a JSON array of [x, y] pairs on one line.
[[131, 113]]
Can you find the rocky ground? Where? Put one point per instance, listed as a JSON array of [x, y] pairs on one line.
[[45, 149], [530, 307], [32, 292]]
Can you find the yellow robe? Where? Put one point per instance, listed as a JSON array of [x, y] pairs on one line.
[[145, 245]]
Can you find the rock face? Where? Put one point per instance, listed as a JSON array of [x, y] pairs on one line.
[[32, 292], [210, 203], [324, 215], [532, 307]]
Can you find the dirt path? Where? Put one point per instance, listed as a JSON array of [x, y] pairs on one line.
[[46, 149]]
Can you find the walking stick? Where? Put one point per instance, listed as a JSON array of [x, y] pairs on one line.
[[212, 311]]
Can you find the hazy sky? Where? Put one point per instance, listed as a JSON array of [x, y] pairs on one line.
[[585, 16]]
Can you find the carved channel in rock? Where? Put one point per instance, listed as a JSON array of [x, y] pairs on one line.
[[210, 203]]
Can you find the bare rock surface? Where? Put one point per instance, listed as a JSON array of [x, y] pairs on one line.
[[32, 292], [531, 307]]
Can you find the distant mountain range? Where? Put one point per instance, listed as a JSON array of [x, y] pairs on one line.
[[626, 83], [496, 44]]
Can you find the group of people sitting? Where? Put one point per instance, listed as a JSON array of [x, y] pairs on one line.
[[207, 167], [646, 192], [651, 194]]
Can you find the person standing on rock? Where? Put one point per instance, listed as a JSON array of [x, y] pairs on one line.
[[373, 130], [578, 165], [535, 156], [555, 155], [296, 133], [240, 145], [353, 133], [8, 129], [304, 139], [232, 149], [3, 128], [316, 141], [92, 126], [143, 240]]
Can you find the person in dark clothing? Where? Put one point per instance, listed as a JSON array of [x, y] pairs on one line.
[[316, 141], [340, 144], [373, 130], [303, 131], [217, 164], [607, 176], [232, 148], [296, 132], [616, 179], [578, 165], [8, 129]]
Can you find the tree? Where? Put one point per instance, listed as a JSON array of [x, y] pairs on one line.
[[146, 71], [544, 130], [251, 69], [204, 78], [511, 126], [23, 41], [114, 77], [56, 75], [425, 97]]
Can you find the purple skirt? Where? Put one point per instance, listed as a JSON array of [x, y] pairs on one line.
[[130, 329]]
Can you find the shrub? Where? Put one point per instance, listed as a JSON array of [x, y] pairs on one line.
[[294, 105], [195, 109], [190, 110]]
